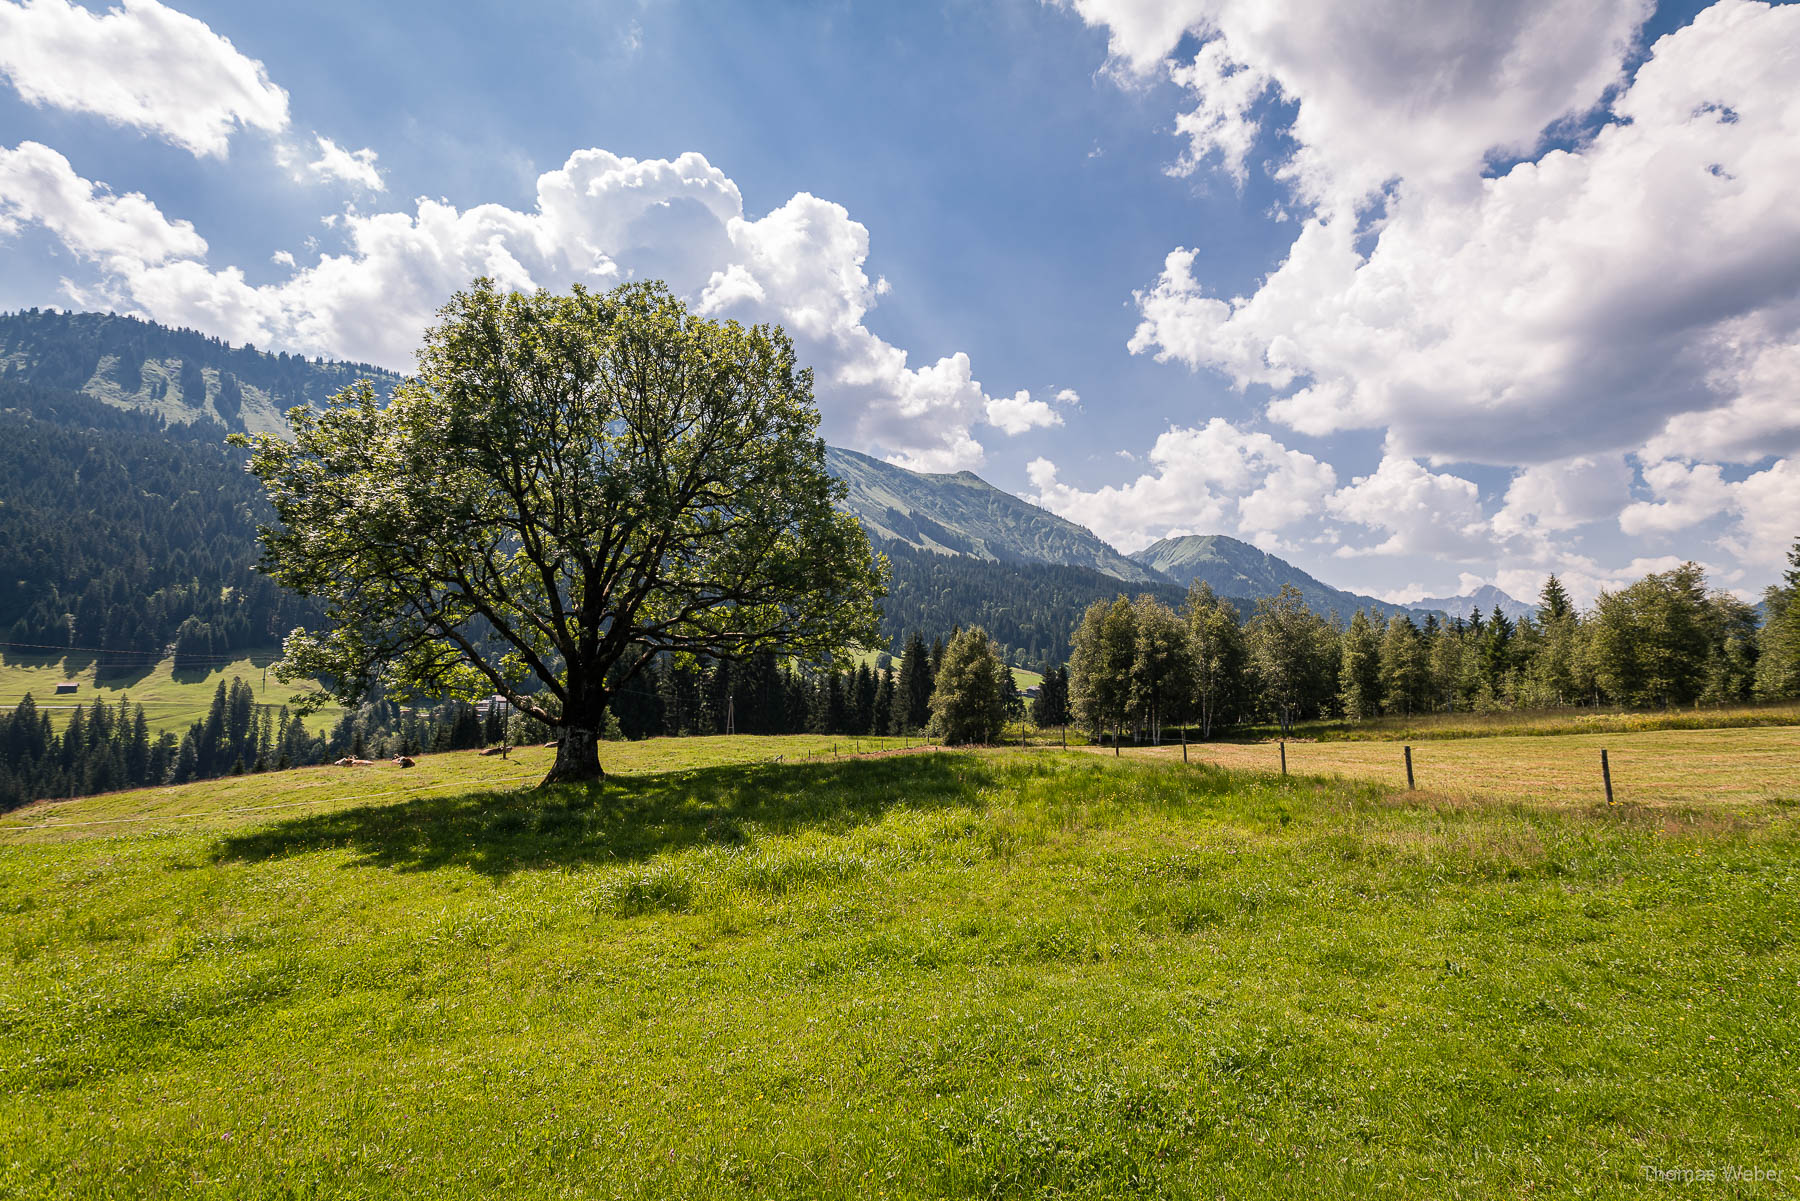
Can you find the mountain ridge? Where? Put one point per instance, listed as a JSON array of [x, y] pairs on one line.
[[1483, 600], [963, 514], [1236, 568]]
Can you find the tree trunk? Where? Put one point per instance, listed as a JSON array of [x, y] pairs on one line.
[[577, 757]]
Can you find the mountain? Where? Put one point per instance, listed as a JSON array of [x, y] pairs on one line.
[[963, 514], [1030, 609], [1482, 601], [1238, 569], [180, 375]]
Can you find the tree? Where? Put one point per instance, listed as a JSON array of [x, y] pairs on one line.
[[1051, 706], [1100, 663], [1293, 655], [1650, 641], [572, 486], [1404, 667], [1162, 669], [1359, 669], [1216, 648], [968, 704], [1778, 642], [912, 695]]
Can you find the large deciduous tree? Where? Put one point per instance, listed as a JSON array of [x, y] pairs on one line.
[[572, 486]]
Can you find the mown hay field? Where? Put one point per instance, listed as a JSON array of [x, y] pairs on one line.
[[1710, 768]]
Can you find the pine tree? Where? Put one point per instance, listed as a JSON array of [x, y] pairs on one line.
[[1404, 666], [881, 720], [912, 700], [968, 705], [1359, 669]]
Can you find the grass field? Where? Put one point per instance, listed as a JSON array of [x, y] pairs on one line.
[[171, 702], [994, 974]]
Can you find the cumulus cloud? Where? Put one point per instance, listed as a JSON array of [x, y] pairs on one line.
[[599, 219], [1564, 495], [141, 65], [1382, 90], [1424, 512], [38, 186], [1581, 302], [351, 166], [1631, 293], [1761, 511], [1018, 413], [1215, 478]]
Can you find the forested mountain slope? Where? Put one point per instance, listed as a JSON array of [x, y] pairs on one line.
[[179, 374], [1237, 569], [120, 533], [963, 514], [1030, 609]]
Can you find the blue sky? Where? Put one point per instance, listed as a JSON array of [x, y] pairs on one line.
[[1463, 292]]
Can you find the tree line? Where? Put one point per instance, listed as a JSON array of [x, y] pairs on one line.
[[1139, 666], [104, 747]]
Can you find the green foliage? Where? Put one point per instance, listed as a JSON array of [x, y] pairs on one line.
[[1100, 666], [1778, 642], [1359, 669], [1216, 643], [572, 486], [120, 535], [1028, 609], [1051, 705], [1650, 641], [1293, 655], [969, 700]]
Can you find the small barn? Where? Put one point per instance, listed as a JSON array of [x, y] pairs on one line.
[[67, 687]]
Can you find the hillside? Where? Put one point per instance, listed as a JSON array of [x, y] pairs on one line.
[[963, 514], [178, 374], [1238, 569], [1483, 600], [1030, 609]]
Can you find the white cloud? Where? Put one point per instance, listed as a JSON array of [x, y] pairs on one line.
[[1762, 509], [599, 219], [1424, 512], [1018, 413], [1068, 396], [1578, 304], [1215, 478], [142, 65], [1689, 495], [38, 186], [351, 166], [1381, 90], [1564, 495]]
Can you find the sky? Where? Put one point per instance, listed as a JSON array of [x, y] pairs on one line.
[[1416, 294]]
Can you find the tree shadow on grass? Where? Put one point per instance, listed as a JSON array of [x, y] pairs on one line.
[[624, 820]]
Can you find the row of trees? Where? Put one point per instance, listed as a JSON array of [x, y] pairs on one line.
[[104, 747], [1139, 665]]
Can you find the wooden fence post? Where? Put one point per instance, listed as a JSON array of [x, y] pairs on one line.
[[1284, 757], [1409, 775], [1606, 775]]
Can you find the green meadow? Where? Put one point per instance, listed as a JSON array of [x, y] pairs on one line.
[[172, 700], [760, 967]]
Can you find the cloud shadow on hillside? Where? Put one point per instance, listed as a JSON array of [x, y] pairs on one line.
[[626, 819]]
